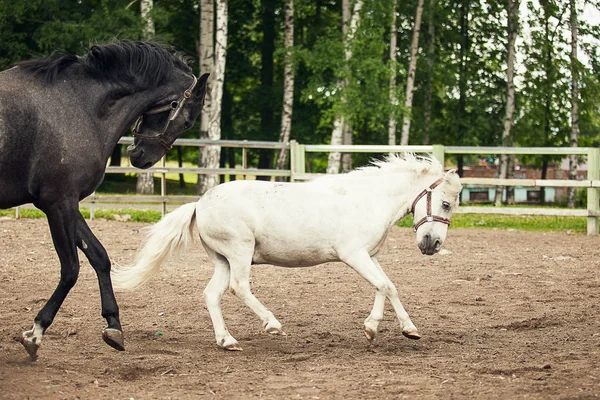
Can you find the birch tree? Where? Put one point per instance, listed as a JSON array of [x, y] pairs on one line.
[[288, 84], [145, 181], [574, 102], [213, 153], [393, 68], [206, 55], [427, 98], [410, 80], [337, 134], [506, 160]]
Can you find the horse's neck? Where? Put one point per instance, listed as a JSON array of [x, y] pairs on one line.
[[407, 190], [116, 116]]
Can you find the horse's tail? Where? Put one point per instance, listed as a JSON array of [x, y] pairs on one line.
[[167, 237]]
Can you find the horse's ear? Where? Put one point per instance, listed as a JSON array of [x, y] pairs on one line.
[[200, 89], [451, 176]]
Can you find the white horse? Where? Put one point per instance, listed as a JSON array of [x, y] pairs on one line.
[[333, 218]]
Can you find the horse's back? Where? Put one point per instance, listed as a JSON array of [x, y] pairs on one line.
[[288, 224]]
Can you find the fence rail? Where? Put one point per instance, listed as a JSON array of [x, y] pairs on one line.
[[298, 172]]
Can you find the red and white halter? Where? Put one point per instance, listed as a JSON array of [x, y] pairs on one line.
[[429, 217]]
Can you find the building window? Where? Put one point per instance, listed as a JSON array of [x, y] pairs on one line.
[[479, 197], [533, 196]]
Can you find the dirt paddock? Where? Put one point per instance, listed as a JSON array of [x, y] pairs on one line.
[[506, 314]]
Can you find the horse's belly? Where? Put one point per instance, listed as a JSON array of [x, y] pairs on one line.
[[290, 255], [13, 194]]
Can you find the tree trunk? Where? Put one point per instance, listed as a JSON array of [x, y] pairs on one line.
[[145, 182], [347, 140], [393, 68], [337, 134], [206, 56], [572, 192], [462, 81], [213, 153], [265, 158], [288, 86], [429, 84], [512, 31], [412, 68], [547, 99]]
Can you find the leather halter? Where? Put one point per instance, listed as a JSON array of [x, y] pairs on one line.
[[174, 107], [429, 217]]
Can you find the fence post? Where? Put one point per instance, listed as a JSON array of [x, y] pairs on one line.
[[163, 186], [593, 193], [438, 153], [93, 207], [17, 212], [297, 159]]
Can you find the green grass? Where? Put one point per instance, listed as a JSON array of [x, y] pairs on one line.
[[535, 223], [136, 215], [523, 222]]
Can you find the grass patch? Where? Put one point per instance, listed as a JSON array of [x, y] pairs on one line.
[[535, 223], [117, 215]]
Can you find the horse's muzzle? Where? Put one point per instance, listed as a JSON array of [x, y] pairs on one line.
[[429, 245], [136, 156]]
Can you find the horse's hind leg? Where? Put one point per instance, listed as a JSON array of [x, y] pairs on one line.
[[213, 293], [98, 258], [240, 286], [62, 227]]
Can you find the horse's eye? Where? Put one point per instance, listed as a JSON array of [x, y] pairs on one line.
[[445, 206]]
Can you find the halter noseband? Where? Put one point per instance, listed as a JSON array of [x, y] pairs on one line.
[[429, 217], [174, 107]]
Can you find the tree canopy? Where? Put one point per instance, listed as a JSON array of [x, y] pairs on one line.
[[465, 75]]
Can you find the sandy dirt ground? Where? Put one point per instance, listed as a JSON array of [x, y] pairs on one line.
[[507, 314]]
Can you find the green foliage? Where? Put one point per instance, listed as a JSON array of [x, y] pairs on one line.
[[467, 78]]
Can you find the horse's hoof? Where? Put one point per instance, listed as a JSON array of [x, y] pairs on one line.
[[369, 333], [276, 331], [31, 348], [233, 347], [411, 334], [113, 338]]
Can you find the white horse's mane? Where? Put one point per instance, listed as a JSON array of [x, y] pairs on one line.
[[399, 162]]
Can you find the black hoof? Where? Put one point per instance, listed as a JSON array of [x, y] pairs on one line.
[[114, 338], [31, 348]]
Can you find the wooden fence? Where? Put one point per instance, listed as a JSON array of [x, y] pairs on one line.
[[298, 172]]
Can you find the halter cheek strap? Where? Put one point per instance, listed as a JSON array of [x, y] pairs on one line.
[[174, 107], [429, 217]]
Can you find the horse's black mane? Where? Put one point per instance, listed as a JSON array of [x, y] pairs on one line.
[[126, 61]]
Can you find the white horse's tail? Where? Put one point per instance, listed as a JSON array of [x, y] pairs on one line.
[[167, 237]]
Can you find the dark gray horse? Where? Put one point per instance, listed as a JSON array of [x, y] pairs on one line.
[[60, 119]]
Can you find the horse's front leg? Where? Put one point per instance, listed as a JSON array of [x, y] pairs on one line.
[[369, 268], [98, 258], [62, 227], [408, 328]]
